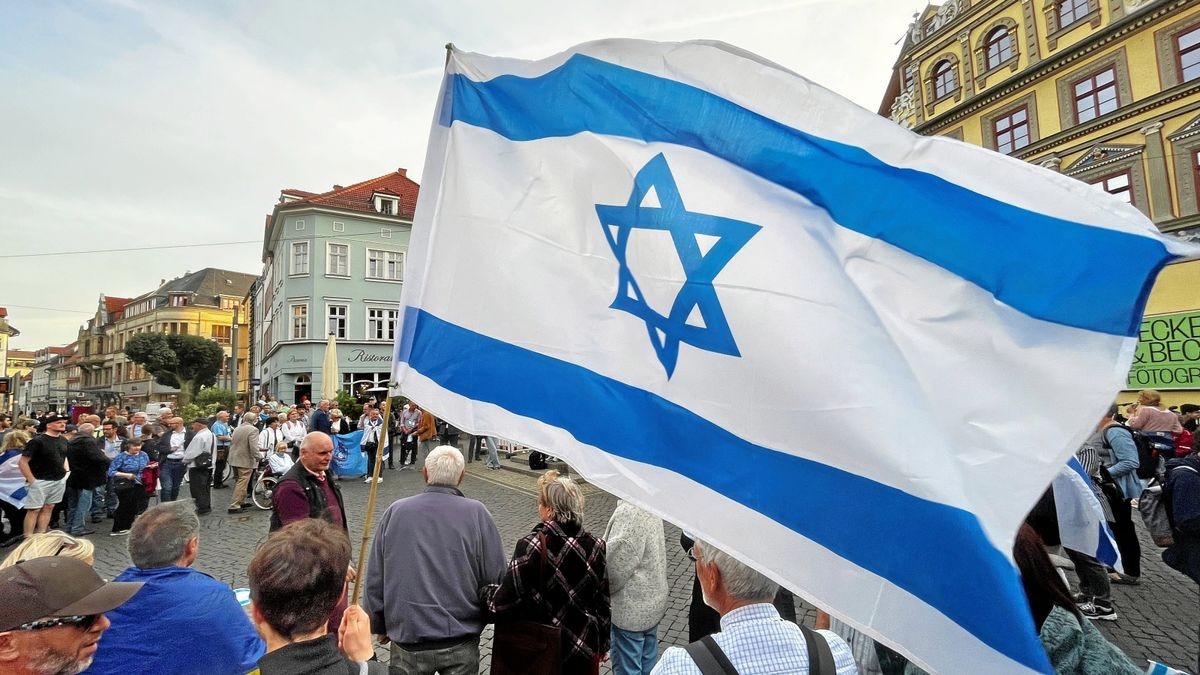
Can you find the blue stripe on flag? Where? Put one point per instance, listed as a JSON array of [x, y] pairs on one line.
[[897, 534], [1048, 268]]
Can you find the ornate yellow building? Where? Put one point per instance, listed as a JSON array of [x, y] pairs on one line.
[[1105, 91]]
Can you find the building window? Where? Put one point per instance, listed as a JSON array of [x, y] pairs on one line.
[[999, 47], [337, 321], [385, 232], [300, 257], [1189, 54], [909, 79], [1070, 11], [1118, 185], [222, 334], [1012, 130], [339, 227], [385, 207], [299, 322], [338, 260], [179, 300], [299, 224], [381, 323], [945, 80], [1096, 95], [385, 265]]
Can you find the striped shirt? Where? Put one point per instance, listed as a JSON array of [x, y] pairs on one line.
[[758, 642]]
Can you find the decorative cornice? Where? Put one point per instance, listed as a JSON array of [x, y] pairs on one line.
[[1034, 74]]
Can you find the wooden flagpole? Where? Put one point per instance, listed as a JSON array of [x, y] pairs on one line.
[[366, 532]]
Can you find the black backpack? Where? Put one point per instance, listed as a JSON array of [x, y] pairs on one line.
[[1147, 454]]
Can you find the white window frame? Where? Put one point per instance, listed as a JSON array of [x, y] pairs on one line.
[[338, 226], [299, 225], [292, 267], [293, 334], [345, 319], [394, 319], [385, 233], [329, 259], [383, 262]]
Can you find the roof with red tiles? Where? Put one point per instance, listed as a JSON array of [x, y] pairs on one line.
[[360, 196], [114, 305], [20, 354]]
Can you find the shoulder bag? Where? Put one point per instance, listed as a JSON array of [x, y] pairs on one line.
[[528, 647], [711, 660]]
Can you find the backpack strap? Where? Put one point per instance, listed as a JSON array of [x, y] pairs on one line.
[[820, 655], [709, 657]]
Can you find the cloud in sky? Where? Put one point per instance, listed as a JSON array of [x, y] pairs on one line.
[[132, 124]]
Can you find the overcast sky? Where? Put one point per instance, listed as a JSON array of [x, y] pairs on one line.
[[129, 124]]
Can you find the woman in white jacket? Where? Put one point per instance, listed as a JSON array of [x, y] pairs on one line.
[[637, 582]]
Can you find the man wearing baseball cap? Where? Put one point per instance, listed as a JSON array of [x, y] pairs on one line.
[[52, 615], [44, 465]]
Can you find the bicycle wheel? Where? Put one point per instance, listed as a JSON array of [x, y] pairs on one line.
[[264, 487]]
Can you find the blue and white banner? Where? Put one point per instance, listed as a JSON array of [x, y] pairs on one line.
[[1081, 523], [820, 342], [348, 457], [12, 481]]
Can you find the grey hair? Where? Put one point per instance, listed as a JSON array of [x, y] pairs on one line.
[[85, 429], [249, 418], [160, 535], [444, 465], [562, 496], [738, 579]]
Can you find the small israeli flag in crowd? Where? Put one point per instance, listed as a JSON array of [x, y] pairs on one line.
[[12, 481], [851, 356], [1081, 523]]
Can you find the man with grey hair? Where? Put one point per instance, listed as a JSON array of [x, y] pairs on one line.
[[752, 637], [445, 547], [204, 626], [243, 457]]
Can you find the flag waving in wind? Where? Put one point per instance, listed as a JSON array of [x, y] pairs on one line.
[[848, 355]]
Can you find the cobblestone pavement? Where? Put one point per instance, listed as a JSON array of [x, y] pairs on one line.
[[1158, 619]]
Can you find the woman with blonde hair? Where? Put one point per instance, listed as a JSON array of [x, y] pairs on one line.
[[558, 576], [50, 544], [10, 473]]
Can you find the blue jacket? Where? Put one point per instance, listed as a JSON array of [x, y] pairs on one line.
[[182, 621], [1125, 461]]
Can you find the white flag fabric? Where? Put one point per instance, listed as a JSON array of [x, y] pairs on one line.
[[12, 481], [851, 356], [1081, 523]]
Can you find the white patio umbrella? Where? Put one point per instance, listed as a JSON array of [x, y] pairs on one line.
[[330, 378]]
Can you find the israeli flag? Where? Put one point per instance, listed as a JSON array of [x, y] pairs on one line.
[[12, 481], [1081, 523], [851, 356]]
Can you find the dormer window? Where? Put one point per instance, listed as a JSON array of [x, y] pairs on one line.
[[180, 300], [387, 203]]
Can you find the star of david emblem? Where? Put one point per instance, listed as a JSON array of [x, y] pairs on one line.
[[697, 296]]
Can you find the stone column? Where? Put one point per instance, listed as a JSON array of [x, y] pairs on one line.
[[968, 71], [1158, 183]]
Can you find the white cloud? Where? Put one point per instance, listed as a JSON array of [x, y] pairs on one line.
[[150, 123]]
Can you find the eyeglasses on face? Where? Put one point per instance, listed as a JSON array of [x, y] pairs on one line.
[[81, 621]]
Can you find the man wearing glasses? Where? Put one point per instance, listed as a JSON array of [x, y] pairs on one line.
[[52, 616]]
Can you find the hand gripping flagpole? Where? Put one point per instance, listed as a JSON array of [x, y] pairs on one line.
[[366, 528]]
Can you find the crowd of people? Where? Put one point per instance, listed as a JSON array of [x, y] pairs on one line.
[[564, 600]]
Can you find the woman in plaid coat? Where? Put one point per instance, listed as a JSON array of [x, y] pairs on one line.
[[573, 595]]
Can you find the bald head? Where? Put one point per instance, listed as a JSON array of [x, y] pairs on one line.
[[316, 451]]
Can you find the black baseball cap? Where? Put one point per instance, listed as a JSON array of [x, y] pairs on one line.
[[57, 586]]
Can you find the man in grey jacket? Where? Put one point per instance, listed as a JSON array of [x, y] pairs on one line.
[[435, 550]]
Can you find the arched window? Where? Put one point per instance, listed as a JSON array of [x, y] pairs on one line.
[[999, 47], [945, 79]]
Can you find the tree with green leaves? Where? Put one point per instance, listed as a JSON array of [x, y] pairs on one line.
[[187, 362]]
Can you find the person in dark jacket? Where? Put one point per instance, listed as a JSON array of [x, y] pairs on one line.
[[89, 472], [1183, 488], [296, 579], [574, 597], [309, 490]]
